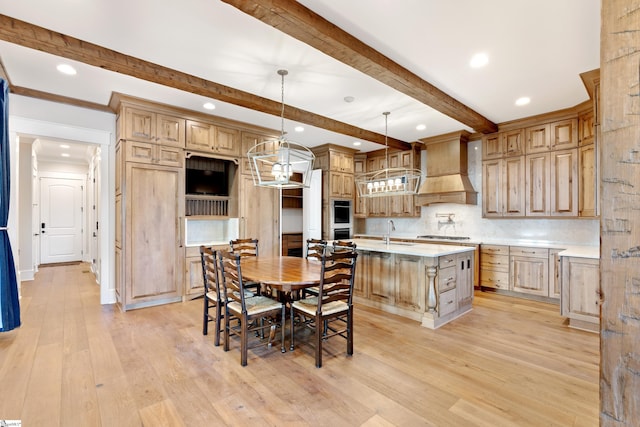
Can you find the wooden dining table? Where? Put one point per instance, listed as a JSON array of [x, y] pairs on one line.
[[285, 274]]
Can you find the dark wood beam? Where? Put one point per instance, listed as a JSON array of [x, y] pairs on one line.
[[299, 22], [44, 40], [33, 93]]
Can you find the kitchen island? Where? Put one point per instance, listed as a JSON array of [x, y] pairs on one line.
[[430, 283]]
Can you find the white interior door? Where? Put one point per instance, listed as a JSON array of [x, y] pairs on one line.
[[312, 208], [60, 220]]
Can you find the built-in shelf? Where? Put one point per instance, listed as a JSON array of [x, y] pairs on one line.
[[206, 205]]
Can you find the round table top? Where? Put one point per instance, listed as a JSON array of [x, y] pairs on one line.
[[282, 273]]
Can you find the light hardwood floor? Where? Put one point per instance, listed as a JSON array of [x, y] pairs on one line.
[[510, 362]]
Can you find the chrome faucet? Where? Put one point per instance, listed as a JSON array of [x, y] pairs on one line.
[[390, 227]]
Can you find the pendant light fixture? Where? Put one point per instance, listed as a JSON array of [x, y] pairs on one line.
[[388, 181], [280, 163]]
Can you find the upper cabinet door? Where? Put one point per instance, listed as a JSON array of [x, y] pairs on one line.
[[513, 142], [492, 146], [170, 130], [564, 134], [199, 136], [537, 139], [140, 125]]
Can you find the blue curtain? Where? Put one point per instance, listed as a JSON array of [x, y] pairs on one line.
[[9, 304]]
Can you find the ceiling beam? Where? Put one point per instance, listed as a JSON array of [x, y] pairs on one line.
[[33, 93], [299, 22], [32, 36]]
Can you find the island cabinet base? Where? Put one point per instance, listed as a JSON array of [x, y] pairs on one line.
[[432, 286], [434, 320]]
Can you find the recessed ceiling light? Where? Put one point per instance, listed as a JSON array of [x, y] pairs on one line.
[[479, 60], [421, 127], [64, 146], [298, 129], [67, 69], [357, 143], [523, 101], [349, 99], [65, 155], [209, 106]]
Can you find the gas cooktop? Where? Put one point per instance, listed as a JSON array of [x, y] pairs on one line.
[[436, 237]]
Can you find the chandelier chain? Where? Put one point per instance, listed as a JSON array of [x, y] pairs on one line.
[[282, 74]]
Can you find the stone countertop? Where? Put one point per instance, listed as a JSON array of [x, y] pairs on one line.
[[430, 250], [582, 251]]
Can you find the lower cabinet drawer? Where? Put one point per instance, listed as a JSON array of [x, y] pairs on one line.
[[494, 279], [446, 279], [448, 302]]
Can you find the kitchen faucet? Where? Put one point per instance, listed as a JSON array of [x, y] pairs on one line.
[[390, 227]]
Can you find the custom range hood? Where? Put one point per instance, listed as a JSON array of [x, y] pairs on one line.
[[447, 180]]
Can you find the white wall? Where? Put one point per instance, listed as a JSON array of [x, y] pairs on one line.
[[291, 220], [468, 219], [37, 118]]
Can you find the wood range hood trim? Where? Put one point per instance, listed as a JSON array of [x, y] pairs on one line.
[[447, 180]]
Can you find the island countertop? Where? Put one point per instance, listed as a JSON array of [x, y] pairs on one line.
[[431, 250]]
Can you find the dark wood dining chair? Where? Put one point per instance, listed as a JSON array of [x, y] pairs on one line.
[[314, 251], [331, 312], [212, 292], [344, 246], [315, 248], [246, 248], [255, 313]]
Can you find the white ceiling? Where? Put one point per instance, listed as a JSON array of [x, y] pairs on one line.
[[535, 48]]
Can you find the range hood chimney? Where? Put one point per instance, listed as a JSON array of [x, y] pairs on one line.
[[447, 180]]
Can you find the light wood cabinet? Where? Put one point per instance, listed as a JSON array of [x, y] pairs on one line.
[[337, 168], [564, 183], [378, 206], [361, 280], [340, 161], [410, 282], [586, 128], [152, 253], [503, 144], [559, 135], [564, 134], [529, 270], [503, 190], [210, 138], [341, 185], [148, 126], [588, 184], [465, 278], [492, 146], [552, 183], [360, 203], [555, 270], [402, 206], [537, 139], [494, 266], [153, 154], [260, 216], [537, 184], [381, 287], [248, 140], [580, 300]]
